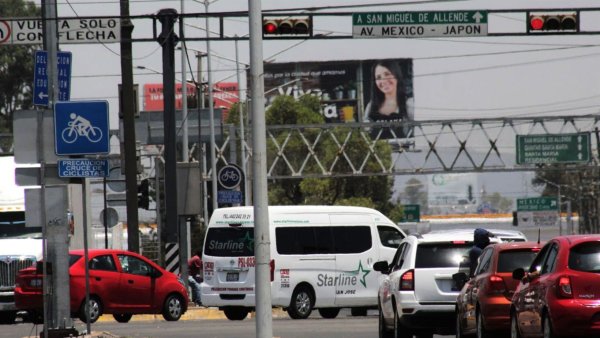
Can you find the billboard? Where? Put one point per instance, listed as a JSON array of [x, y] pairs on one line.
[[350, 90], [452, 192], [225, 94]]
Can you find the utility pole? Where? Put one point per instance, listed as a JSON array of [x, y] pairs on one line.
[[128, 114], [262, 241]]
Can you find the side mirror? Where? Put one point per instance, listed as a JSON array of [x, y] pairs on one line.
[[518, 274], [381, 266], [460, 279]]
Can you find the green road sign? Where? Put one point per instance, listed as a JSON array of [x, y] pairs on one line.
[[546, 203], [412, 213], [553, 148], [419, 24]]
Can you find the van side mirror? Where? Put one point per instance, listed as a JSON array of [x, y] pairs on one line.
[[460, 279], [381, 266], [518, 274]]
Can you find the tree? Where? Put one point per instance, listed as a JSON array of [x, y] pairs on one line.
[[414, 193], [373, 191], [16, 66]]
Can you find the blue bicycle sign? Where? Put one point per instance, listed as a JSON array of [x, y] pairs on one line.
[[81, 128], [230, 176]]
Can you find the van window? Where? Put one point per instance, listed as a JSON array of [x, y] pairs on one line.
[[389, 236], [228, 242], [322, 240]]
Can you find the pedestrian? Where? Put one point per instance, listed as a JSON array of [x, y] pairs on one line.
[[389, 101], [195, 276], [481, 239]]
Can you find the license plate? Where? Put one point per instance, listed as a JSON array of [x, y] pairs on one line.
[[232, 277]]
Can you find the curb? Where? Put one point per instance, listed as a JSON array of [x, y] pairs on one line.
[[193, 313]]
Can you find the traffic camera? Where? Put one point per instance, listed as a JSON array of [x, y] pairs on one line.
[[291, 26], [553, 22]]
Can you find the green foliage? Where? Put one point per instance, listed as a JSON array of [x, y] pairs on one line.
[[371, 191], [16, 66], [396, 213]]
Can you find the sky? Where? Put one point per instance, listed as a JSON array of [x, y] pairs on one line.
[[454, 78]]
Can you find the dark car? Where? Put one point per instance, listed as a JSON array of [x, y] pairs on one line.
[[559, 295], [122, 283], [483, 305]]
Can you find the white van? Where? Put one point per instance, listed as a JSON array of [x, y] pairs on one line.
[[321, 257]]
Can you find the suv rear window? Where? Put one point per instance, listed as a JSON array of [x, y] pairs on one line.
[[585, 257], [442, 255], [508, 261], [229, 242]]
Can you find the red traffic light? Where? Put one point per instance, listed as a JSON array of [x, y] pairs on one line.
[[297, 26], [553, 22]]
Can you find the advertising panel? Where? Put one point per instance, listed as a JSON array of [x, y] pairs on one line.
[[350, 90]]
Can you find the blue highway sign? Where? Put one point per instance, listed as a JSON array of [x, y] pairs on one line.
[[81, 128], [82, 167], [41, 90]]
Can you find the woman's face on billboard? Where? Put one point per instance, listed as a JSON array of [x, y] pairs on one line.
[[385, 80]]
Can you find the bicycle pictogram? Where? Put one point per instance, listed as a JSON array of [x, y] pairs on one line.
[[80, 126], [229, 175]]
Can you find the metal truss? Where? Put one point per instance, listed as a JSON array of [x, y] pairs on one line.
[[358, 149]]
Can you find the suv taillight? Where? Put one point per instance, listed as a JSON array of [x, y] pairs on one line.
[[564, 287], [496, 285], [272, 266], [407, 280]]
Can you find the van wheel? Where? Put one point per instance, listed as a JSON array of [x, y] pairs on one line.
[[358, 311], [236, 313], [330, 312], [301, 304], [122, 317]]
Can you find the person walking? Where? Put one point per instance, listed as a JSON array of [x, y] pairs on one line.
[[195, 276]]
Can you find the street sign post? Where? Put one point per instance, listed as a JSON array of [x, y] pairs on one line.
[[82, 167], [412, 213], [81, 128], [419, 24], [538, 211], [41, 91], [553, 148]]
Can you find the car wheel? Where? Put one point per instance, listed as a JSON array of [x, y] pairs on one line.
[[301, 304], [514, 327], [547, 327], [481, 331], [94, 309], [330, 312], [8, 317], [35, 317], [399, 330], [122, 317], [358, 311], [173, 308], [236, 313]]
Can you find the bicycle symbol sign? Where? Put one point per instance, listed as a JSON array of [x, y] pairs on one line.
[[230, 176], [81, 128]]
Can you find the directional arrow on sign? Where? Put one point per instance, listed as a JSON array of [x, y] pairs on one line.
[[477, 16]]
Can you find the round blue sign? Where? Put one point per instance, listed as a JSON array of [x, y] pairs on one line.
[[230, 176]]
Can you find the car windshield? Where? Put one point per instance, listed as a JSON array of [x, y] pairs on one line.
[[229, 242], [585, 257], [442, 255], [508, 261]]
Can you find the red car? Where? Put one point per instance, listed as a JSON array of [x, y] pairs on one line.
[[122, 283], [560, 293], [483, 305]]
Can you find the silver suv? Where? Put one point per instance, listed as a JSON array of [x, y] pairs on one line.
[[417, 296]]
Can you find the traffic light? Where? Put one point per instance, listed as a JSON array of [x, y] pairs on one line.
[[144, 194], [553, 22], [292, 26]]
